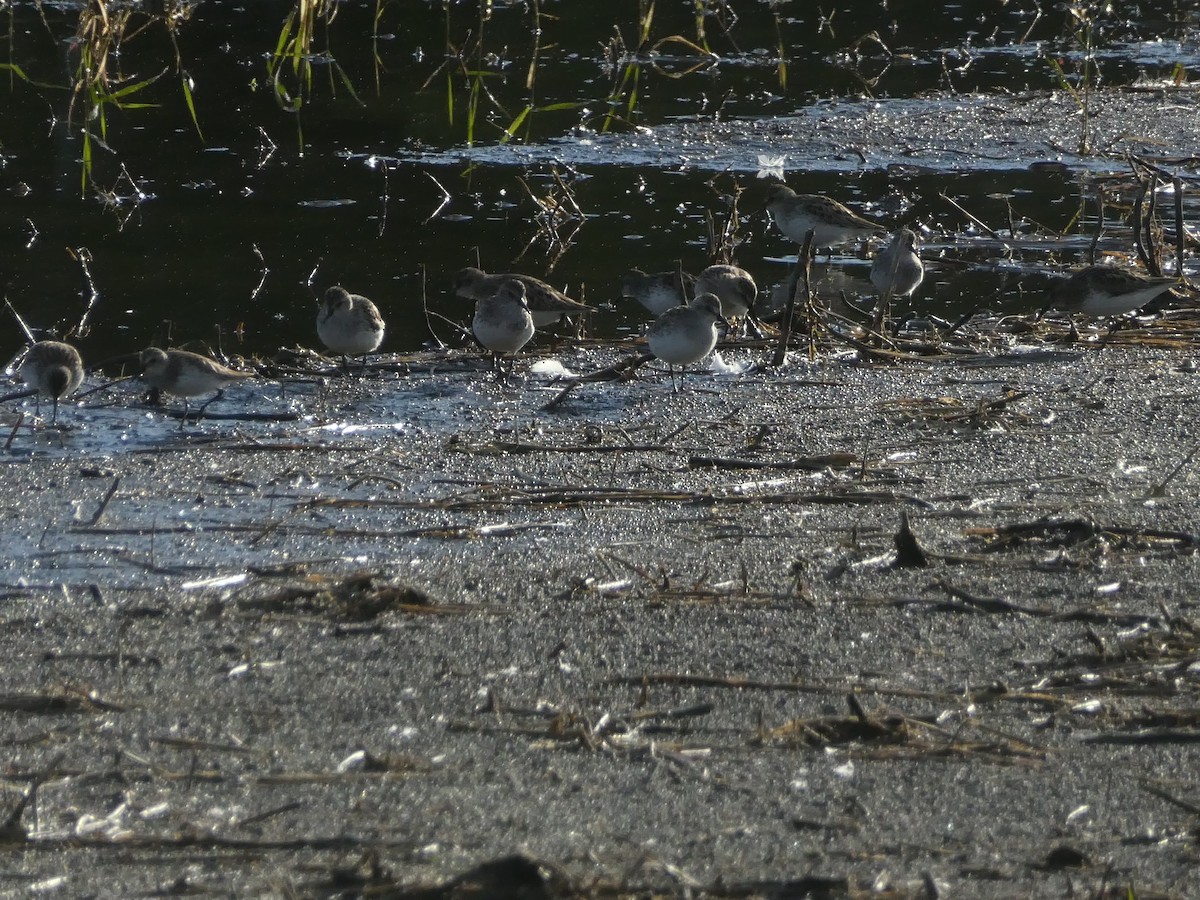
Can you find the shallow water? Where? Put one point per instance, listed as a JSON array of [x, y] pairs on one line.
[[228, 241]]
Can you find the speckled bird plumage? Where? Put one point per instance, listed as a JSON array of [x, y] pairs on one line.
[[546, 304], [502, 322], [686, 334], [832, 223], [349, 324], [657, 291], [734, 287], [54, 369], [1106, 291]]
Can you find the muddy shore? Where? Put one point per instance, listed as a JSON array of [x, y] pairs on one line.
[[656, 642]]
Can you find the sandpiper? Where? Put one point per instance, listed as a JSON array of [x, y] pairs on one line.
[[657, 291], [897, 270], [187, 374], [349, 324], [734, 287], [1106, 291], [794, 214], [55, 369], [503, 323], [686, 334], [546, 304]]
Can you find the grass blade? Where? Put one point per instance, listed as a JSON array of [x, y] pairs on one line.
[[185, 82]]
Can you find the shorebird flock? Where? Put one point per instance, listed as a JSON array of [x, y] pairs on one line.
[[689, 312]]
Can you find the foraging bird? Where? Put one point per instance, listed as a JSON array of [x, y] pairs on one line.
[[1105, 291], [349, 324], [734, 287], [55, 369], [657, 291], [831, 222], [897, 270], [686, 334], [187, 374], [546, 304], [503, 323]]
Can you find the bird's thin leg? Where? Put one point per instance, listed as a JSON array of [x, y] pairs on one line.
[[1118, 323], [215, 397], [183, 418], [54, 417], [512, 364], [883, 311]]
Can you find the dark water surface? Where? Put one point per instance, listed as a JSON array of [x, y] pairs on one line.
[[238, 231]]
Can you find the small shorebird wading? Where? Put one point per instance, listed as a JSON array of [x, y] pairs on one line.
[[896, 271], [686, 334], [1101, 291], [657, 291], [546, 304], [349, 324], [187, 374], [831, 223], [54, 369], [734, 287], [502, 322]]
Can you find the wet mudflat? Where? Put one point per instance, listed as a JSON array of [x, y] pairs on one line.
[[657, 642], [419, 633]]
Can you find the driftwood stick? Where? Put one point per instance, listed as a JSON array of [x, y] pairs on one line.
[[12, 434], [112, 490], [1099, 224], [1180, 233], [990, 231], [800, 275], [812, 463], [1152, 252]]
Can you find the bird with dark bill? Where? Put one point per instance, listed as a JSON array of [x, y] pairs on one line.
[[349, 324], [186, 374], [1100, 291], [897, 270], [546, 304], [503, 323], [831, 222], [54, 370], [686, 334]]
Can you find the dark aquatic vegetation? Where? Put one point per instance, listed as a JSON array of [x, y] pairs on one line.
[[565, 143]]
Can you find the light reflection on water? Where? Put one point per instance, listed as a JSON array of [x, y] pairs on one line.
[[231, 240]]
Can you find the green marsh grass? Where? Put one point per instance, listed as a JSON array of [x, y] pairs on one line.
[[466, 60], [98, 87], [290, 66]]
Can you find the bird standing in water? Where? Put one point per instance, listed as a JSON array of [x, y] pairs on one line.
[[54, 369], [187, 374]]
